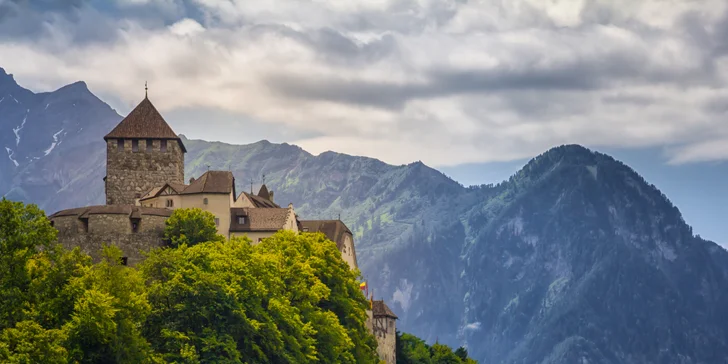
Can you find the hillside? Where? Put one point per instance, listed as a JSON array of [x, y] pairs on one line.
[[575, 257]]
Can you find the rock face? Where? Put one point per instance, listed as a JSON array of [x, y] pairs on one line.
[[573, 259], [51, 144]]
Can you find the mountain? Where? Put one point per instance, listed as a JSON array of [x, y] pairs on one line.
[[574, 259], [53, 154]]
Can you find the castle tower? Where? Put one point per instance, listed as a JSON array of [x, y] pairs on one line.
[[141, 152]]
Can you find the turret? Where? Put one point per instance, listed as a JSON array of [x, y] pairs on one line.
[[142, 152]]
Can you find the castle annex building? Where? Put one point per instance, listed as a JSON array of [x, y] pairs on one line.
[[144, 183]]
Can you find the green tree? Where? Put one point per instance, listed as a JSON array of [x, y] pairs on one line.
[[24, 231], [65, 308], [28, 342], [413, 350], [110, 308], [289, 299], [462, 353], [326, 292], [208, 305], [443, 354], [190, 227]]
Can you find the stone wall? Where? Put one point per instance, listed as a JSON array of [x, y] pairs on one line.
[[112, 229], [384, 330], [130, 174], [348, 253]]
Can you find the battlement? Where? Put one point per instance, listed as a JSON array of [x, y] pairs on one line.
[[133, 229]]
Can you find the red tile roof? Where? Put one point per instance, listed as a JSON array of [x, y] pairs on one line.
[[379, 308], [257, 219], [333, 229], [212, 182]]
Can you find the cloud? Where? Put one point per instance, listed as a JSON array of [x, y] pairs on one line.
[[445, 82]]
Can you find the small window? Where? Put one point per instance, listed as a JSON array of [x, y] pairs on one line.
[[241, 220], [204, 200], [84, 224], [124, 260], [120, 144], [53, 223], [134, 145], [163, 145], [150, 145], [217, 222], [135, 226], [305, 230], [170, 203]]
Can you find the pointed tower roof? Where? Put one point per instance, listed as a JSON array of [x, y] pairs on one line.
[[264, 192], [144, 122]]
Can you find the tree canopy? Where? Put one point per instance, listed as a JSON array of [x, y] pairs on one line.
[[413, 350], [290, 299], [190, 227]]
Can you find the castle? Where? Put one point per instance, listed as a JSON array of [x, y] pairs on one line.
[[144, 182]]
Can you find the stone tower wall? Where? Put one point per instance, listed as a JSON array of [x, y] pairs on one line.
[[384, 330], [111, 229], [130, 174], [387, 341]]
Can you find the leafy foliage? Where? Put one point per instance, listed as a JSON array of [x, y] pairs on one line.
[[290, 299], [190, 227], [412, 350]]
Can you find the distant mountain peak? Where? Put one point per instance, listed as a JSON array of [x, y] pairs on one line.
[[6, 78], [78, 86]]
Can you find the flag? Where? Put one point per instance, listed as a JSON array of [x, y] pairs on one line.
[[364, 287]]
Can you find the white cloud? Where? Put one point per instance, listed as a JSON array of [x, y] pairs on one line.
[[442, 82], [186, 27]]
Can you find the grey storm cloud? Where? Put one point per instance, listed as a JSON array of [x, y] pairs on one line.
[[491, 74], [574, 75]]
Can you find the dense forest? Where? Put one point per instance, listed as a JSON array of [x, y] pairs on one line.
[[289, 299]]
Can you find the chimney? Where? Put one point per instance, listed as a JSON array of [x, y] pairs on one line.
[[271, 197]]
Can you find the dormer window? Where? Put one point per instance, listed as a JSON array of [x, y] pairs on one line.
[[241, 220], [120, 144]]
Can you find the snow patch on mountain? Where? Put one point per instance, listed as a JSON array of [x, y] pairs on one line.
[[10, 155], [403, 294], [55, 142], [19, 128]]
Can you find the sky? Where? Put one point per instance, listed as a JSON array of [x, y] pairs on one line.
[[473, 88]]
